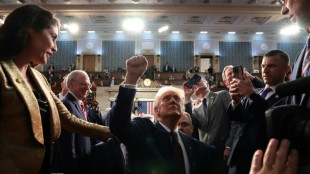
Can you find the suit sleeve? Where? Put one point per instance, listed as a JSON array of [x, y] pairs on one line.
[[256, 109], [189, 109], [67, 149], [258, 83], [120, 117], [233, 126]]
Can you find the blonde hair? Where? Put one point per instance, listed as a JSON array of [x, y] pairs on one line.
[[164, 90]]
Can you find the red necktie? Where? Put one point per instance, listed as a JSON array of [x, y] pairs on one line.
[[84, 111]]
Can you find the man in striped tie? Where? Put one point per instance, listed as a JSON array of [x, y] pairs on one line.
[[250, 111]]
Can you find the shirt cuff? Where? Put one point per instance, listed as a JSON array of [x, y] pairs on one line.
[[130, 86]]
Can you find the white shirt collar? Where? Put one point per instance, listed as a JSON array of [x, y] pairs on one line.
[[78, 100], [167, 129]]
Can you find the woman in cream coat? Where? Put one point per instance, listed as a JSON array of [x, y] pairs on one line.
[[27, 131]]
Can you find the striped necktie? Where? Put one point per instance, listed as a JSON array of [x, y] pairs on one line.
[[306, 63], [84, 110]]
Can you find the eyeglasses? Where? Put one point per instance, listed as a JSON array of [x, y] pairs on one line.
[[281, 2], [184, 124], [84, 85]]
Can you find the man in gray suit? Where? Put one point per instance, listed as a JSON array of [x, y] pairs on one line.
[[210, 115]]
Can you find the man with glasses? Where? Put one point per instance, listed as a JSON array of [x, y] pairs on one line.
[[75, 149], [185, 124], [298, 13]]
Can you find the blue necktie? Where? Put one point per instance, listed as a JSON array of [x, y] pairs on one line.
[[265, 92], [204, 103], [306, 63]]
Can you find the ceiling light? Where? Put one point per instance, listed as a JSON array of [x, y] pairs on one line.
[[175, 32], [91, 31], [1, 19], [203, 32], [119, 32], [147, 32], [231, 32], [133, 25], [290, 30], [162, 29], [21, 1], [259, 33], [72, 28], [275, 2]]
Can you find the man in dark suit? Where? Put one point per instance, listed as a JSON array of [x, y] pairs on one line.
[[250, 111], [210, 116], [196, 69], [158, 148], [166, 67], [75, 149], [107, 158], [173, 69], [298, 12]]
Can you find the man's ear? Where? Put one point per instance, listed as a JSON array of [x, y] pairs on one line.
[[156, 109], [287, 69], [31, 32]]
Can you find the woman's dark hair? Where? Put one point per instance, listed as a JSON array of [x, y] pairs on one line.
[[14, 33]]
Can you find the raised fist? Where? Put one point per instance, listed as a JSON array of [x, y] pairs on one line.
[[135, 68]]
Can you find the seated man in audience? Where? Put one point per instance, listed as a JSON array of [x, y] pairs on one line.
[[250, 111], [101, 83], [112, 81], [158, 148]]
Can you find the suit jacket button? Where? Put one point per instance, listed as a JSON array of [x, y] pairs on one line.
[[19, 80]]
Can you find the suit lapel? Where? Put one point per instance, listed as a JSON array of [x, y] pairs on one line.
[[189, 152], [164, 142], [76, 105], [296, 70], [54, 115], [210, 101]]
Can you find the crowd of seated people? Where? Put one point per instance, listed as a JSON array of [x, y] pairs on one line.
[[101, 79]]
